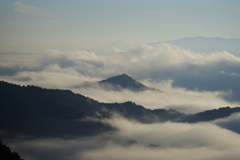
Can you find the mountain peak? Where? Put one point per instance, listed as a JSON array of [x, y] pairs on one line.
[[124, 75], [120, 77], [119, 82], [124, 81]]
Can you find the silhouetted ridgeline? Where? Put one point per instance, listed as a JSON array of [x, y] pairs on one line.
[[210, 115], [7, 154], [31, 110]]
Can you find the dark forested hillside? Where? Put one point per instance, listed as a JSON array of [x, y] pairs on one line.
[[210, 115], [31, 110]]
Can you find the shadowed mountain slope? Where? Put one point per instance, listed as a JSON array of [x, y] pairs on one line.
[[34, 111], [31, 110], [210, 115]]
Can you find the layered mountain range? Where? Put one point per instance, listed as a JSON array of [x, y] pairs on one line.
[[35, 111]]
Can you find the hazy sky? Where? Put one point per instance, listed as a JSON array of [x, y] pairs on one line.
[[98, 24], [57, 44]]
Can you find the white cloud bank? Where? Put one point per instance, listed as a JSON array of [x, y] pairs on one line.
[[180, 99], [176, 141], [190, 82], [134, 140]]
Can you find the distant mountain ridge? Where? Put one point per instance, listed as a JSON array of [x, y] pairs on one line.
[[119, 82], [206, 45], [34, 111]]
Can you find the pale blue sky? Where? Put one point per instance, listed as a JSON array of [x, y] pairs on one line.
[[98, 24]]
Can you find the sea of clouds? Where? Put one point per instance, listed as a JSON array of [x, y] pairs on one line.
[[189, 82]]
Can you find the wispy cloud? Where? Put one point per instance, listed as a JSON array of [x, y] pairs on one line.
[[27, 9]]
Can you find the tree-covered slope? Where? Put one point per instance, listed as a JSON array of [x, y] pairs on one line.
[[31, 111]]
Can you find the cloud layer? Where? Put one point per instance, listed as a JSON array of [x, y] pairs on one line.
[[185, 68], [190, 82], [183, 100], [134, 140]]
